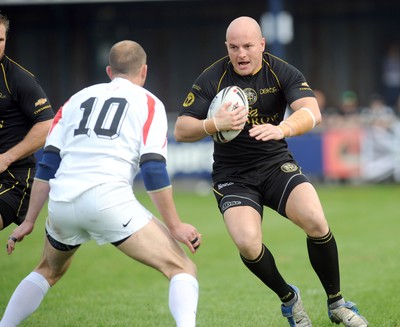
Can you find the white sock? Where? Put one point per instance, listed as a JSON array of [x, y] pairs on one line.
[[183, 298], [25, 300]]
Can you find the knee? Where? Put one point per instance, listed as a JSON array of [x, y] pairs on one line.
[[51, 273], [249, 249], [185, 265], [316, 226]]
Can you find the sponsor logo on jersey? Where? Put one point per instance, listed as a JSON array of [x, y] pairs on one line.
[[229, 204], [255, 119], [40, 102], [305, 87], [222, 185], [41, 109], [268, 90], [189, 100], [289, 167], [251, 96]]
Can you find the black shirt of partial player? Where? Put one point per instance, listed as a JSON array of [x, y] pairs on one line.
[[22, 104], [269, 92]]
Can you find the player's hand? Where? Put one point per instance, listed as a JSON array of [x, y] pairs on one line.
[[5, 162], [188, 235], [18, 235], [231, 120], [266, 132]]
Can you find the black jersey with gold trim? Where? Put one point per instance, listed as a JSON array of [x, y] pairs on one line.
[[22, 104], [275, 86]]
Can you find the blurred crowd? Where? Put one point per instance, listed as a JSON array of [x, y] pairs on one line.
[[375, 128], [377, 113]]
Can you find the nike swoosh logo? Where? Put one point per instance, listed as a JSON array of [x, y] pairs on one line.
[[124, 225]]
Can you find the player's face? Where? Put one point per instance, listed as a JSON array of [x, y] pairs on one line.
[[245, 53], [2, 40]]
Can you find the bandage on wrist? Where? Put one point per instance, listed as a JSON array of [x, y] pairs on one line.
[[300, 122], [215, 124], [204, 127]]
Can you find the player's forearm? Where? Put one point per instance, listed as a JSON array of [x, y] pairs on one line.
[[39, 195], [305, 117], [31, 143], [189, 129], [164, 202]]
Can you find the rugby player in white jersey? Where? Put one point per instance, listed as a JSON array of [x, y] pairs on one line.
[[98, 141]]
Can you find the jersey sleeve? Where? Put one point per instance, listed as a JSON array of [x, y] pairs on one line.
[[32, 99], [292, 81], [203, 91], [155, 128], [55, 137]]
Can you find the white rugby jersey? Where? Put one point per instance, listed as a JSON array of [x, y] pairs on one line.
[[102, 131]]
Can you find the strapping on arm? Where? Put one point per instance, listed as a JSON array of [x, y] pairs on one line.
[[300, 122], [154, 172], [48, 165]]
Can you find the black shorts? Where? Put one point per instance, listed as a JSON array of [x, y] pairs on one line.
[[258, 187], [15, 188]]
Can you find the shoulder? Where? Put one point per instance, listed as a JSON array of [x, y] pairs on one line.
[[218, 65], [15, 70], [277, 64], [18, 77], [211, 77], [215, 70], [283, 72]]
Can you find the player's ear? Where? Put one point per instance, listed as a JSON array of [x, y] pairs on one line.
[[109, 72], [143, 73], [263, 42]]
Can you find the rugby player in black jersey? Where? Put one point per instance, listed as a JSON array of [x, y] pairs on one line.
[[256, 168], [25, 118]]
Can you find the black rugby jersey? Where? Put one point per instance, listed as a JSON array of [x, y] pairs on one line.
[[22, 104], [269, 92]]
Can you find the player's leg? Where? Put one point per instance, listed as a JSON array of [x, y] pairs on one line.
[[32, 289], [14, 195], [153, 245], [244, 227], [242, 209], [304, 208]]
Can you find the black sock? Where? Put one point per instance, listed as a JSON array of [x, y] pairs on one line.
[[323, 256], [265, 269]]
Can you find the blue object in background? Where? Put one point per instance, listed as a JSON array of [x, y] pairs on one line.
[[307, 150]]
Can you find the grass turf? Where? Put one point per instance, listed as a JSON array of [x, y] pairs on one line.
[[104, 288]]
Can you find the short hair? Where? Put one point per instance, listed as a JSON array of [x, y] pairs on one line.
[[127, 57], [4, 21]]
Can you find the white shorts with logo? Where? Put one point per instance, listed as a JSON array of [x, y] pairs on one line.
[[106, 213]]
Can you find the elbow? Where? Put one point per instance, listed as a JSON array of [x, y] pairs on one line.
[[178, 136], [318, 118]]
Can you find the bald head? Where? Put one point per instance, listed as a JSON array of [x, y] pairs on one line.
[[127, 58], [244, 26]]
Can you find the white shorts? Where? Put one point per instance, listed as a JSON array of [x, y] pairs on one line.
[[106, 213]]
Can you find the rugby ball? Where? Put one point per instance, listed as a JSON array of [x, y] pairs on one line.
[[238, 98]]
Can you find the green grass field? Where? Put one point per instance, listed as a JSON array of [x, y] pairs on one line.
[[104, 288]]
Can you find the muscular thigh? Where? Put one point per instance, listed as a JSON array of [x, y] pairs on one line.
[[242, 209], [305, 210], [279, 183]]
